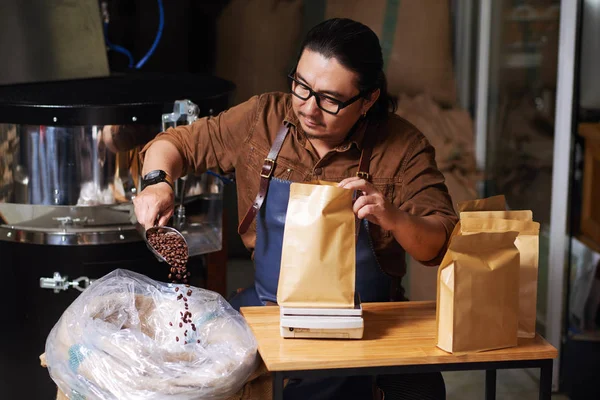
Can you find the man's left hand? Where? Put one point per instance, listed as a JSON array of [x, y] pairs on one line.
[[372, 204]]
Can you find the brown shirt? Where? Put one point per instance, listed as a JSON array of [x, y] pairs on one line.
[[402, 163]]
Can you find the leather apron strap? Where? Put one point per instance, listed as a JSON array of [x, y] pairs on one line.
[[265, 176], [269, 165]]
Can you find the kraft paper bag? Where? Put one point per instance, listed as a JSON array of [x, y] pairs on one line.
[[477, 293], [494, 203], [318, 256], [519, 215], [528, 244]]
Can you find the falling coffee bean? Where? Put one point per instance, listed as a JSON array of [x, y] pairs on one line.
[[173, 249]]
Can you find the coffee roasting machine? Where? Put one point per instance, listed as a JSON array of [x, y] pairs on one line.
[[69, 168]]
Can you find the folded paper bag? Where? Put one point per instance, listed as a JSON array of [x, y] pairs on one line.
[[519, 215], [494, 203], [318, 263], [477, 296], [528, 244]]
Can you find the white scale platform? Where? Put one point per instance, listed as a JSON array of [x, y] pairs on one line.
[[324, 323]]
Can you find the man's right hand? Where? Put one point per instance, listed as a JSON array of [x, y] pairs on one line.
[[154, 203]]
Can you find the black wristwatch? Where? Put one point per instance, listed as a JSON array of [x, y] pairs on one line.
[[156, 176]]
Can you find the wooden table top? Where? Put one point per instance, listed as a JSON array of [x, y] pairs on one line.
[[395, 334]]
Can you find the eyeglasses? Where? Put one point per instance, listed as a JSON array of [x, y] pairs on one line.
[[324, 102]]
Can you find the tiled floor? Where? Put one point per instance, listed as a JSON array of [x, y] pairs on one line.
[[464, 385], [512, 384]]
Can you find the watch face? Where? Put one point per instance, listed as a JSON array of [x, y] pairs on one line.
[[152, 175]]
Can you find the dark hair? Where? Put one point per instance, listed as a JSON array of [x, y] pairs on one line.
[[357, 48]]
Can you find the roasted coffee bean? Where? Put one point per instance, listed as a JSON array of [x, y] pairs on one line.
[[193, 327], [198, 340], [170, 324], [180, 325], [177, 289], [173, 249], [189, 292], [177, 338]]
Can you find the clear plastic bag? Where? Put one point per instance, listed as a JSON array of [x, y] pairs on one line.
[[122, 339]]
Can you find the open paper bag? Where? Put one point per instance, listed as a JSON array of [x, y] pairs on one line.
[[318, 254], [477, 297]]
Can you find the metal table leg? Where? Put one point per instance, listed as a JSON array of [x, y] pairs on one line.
[[277, 386], [490, 384], [546, 380]]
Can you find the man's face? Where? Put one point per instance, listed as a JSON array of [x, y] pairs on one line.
[[329, 77]]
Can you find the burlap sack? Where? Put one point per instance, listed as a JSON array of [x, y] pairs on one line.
[[257, 44], [416, 40]]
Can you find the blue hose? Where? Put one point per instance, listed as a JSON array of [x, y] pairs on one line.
[[123, 50], [161, 24], [221, 177], [117, 48]]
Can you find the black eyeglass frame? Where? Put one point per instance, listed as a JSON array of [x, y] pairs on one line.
[[341, 104]]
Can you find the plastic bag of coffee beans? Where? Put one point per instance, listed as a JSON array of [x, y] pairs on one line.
[[129, 337]]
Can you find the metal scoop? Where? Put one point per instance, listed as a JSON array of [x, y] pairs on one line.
[[163, 230]]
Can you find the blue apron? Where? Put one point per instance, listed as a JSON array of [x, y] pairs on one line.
[[372, 284]]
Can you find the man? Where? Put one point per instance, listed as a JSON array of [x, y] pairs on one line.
[[336, 125]]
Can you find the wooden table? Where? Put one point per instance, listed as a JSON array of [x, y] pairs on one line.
[[398, 338]]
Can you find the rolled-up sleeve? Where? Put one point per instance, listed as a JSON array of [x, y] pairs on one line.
[[424, 192], [213, 142]]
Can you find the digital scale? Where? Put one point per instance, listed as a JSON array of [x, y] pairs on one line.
[[323, 323]]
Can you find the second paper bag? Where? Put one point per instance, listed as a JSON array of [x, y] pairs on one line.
[[528, 244], [478, 293], [318, 255]]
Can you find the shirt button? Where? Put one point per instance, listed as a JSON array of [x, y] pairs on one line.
[[318, 171]]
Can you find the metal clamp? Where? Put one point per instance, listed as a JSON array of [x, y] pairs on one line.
[[59, 283]]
